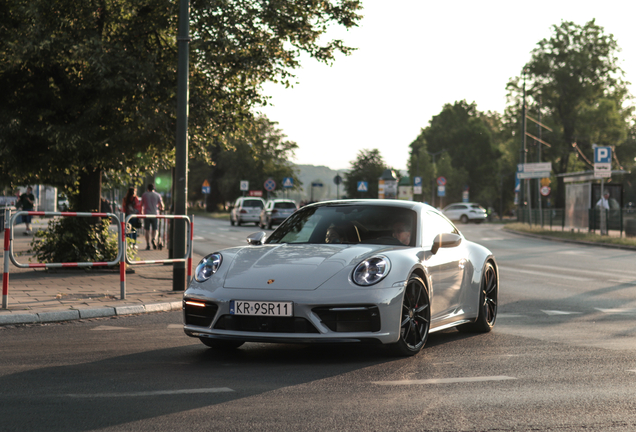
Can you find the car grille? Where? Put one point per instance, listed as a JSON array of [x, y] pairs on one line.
[[350, 318], [265, 324], [199, 315]]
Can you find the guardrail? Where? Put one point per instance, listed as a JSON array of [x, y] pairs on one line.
[[121, 259]]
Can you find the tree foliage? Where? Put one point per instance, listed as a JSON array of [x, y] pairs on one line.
[[463, 139], [260, 153], [368, 166], [574, 79], [91, 83]]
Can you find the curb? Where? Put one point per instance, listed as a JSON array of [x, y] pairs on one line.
[[75, 314], [587, 243]]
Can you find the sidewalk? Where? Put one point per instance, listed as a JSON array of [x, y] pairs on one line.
[[51, 295]]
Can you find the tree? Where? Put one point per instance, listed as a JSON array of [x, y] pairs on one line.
[[91, 83], [464, 135], [368, 167], [261, 153], [573, 77]]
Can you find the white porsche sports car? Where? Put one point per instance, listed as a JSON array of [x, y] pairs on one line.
[[384, 271]]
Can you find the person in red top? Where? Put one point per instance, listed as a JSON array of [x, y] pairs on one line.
[[151, 204]]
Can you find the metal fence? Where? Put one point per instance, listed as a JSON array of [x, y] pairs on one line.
[[122, 257], [621, 220], [552, 218]]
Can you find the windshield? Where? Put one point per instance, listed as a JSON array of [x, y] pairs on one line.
[[348, 224]]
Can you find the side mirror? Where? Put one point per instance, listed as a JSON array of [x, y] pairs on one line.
[[257, 238], [445, 240]]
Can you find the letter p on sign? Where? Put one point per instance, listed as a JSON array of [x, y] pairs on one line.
[[602, 155]]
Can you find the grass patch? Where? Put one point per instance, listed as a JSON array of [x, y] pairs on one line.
[[569, 235]]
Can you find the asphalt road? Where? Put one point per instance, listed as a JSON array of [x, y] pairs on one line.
[[561, 358]]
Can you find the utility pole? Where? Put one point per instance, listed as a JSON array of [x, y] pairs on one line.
[[522, 155], [181, 146]]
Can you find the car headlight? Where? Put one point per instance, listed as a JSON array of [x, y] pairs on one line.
[[207, 267], [371, 271]]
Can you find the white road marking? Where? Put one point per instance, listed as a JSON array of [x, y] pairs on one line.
[[542, 273], [198, 238], [175, 326], [445, 380], [153, 393], [616, 311], [509, 315], [558, 312], [594, 272], [107, 328]]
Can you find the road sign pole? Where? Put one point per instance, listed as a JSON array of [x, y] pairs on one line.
[[602, 219]]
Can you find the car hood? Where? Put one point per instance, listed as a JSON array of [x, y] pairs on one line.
[[293, 267]]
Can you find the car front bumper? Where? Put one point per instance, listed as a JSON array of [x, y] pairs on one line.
[[311, 311]]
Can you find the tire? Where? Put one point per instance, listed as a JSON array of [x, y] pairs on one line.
[[231, 221], [238, 222], [221, 344], [464, 219], [415, 319], [488, 298], [269, 224]]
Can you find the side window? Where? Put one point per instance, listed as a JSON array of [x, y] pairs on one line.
[[433, 224]]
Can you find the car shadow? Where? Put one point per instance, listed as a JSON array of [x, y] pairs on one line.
[[152, 384]]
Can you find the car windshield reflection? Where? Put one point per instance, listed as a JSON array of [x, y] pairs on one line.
[[348, 224]]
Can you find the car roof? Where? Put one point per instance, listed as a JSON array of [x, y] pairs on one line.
[[375, 202]]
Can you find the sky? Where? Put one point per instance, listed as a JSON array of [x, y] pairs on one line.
[[412, 58]]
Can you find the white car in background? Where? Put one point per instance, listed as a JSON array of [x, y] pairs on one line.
[[246, 209], [465, 212]]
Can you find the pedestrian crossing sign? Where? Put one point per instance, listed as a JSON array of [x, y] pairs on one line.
[[363, 186], [288, 182]]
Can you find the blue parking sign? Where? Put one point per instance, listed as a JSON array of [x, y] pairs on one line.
[[602, 154]]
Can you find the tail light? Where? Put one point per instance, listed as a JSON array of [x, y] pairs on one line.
[[274, 211], [243, 211]]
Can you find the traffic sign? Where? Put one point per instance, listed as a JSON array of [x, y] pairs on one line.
[[545, 190], [337, 179], [441, 181], [417, 185], [602, 161], [288, 182], [441, 191], [205, 187], [245, 185], [363, 186], [269, 185], [534, 170], [316, 184]]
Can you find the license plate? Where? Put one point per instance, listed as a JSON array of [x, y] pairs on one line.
[[261, 308]]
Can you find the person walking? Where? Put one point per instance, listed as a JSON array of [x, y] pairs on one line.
[[26, 203], [151, 204]]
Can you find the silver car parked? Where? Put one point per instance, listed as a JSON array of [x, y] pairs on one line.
[[246, 209], [276, 211]]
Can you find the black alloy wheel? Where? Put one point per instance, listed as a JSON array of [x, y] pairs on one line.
[[488, 299], [415, 319], [464, 219]]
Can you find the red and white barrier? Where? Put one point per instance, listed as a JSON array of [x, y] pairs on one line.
[[122, 258]]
